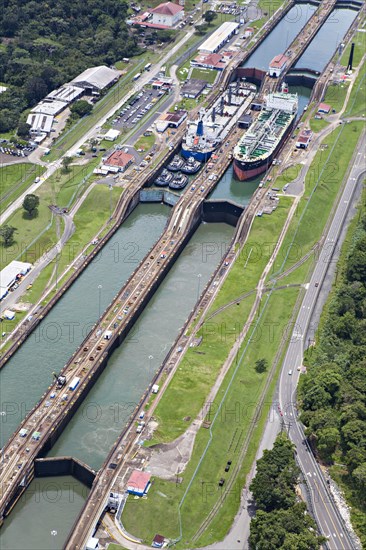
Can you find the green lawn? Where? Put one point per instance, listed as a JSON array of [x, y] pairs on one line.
[[335, 95], [318, 124], [15, 179], [359, 38], [199, 368], [243, 386], [288, 175], [209, 75], [357, 101], [326, 175], [145, 142]]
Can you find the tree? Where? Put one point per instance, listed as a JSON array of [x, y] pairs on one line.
[[201, 29], [30, 204], [7, 234], [261, 365], [209, 16], [23, 130], [66, 161], [81, 108]]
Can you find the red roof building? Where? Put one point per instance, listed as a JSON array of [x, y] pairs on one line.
[[278, 65], [167, 14], [119, 159], [324, 108], [139, 482], [210, 61]]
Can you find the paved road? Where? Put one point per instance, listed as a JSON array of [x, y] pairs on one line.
[[326, 513]]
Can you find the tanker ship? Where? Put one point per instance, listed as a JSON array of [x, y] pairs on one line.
[[204, 135], [256, 150]]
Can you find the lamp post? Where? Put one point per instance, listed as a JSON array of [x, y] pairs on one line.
[[110, 201], [100, 302], [198, 285]]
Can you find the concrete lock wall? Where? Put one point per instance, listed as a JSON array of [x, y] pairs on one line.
[[64, 466]]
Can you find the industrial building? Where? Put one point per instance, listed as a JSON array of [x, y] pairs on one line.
[[217, 39], [40, 123], [51, 108], [193, 88], [96, 79], [139, 483], [11, 274], [66, 93], [167, 14], [170, 120], [278, 65]]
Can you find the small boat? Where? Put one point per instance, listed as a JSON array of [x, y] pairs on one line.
[[191, 166], [179, 182], [176, 164], [164, 178]]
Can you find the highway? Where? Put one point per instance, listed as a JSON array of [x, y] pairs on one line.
[[328, 518]]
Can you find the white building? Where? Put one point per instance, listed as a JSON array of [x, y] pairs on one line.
[[10, 274], [66, 93], [278, 65], [219, 37], [49, 107], [40, 123], [112, 135], [96, 79], [167, 15]]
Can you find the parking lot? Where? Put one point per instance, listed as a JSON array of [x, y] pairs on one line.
[[136, 108], [13, 152]]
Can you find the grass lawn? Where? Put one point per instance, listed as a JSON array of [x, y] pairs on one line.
[[359, 38], [145, 142], [90, 217], [198, 370], [15, 179], [326, 175], [159, 512], [335, 95], [357, 101], [115, 547], [209, 75], [287, 175], [318, 124]]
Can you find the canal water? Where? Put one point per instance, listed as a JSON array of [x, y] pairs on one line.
[[44, 515], [326, 41], [281, 36], [100, 419], [29, 372]]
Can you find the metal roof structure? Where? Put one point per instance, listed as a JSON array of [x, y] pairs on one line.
[[97, 77], [219, 37]]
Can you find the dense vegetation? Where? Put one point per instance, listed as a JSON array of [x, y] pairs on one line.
[[45, 44], [333, 393], [281, 523]]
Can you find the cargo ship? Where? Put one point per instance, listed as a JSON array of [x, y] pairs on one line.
[[204, 135], [259, 146]]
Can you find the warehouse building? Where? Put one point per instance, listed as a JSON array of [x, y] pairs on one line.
[[49, 107], [217, 39], [66, 93], [40, 123], [193, 88], [96, 79], [170, 120]]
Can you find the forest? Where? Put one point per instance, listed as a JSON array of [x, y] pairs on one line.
[[47, 43], [333, 392], [281, 521]]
